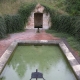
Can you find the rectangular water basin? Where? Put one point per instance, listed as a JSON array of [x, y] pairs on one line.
[[48, 59]]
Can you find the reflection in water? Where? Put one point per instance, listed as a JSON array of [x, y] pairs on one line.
[[47, 59]]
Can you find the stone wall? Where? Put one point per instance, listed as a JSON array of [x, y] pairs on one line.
[[46, 18]]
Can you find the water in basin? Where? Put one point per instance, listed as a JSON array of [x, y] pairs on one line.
[[49, 60]]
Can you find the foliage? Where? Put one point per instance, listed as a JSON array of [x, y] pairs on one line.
[[73, 7], [14, 23], [25, 11], [60, 22], [2, 28], [77, 29], [64, 23]]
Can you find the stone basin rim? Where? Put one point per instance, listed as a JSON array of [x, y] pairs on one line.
[[71, 59]]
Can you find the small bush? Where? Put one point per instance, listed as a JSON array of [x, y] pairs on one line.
[[2, 28]]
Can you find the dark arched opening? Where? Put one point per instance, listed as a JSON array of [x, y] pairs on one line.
[[38, 20]]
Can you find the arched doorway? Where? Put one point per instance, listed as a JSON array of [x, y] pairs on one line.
[[38, 20]]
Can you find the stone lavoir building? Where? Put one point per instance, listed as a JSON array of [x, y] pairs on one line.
[[39, 17]]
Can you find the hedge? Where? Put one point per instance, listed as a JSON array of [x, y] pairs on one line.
[[14, 23], [64, 23], [2, 27]]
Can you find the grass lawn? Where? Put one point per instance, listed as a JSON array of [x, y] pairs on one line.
[[73, 42]]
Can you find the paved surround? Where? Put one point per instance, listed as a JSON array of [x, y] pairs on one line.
[[73, 62]]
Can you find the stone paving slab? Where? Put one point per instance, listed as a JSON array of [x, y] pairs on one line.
[[5, 57], [38, 41], [72, 60]]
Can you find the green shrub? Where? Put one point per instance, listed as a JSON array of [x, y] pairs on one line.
[[14, 23], [68, 24], [77, 29], [61, 23], [2, 28], [25, 11], [64, 23], [8, 21], [73, 7]]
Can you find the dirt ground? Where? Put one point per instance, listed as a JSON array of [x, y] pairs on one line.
[[27, 35]]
